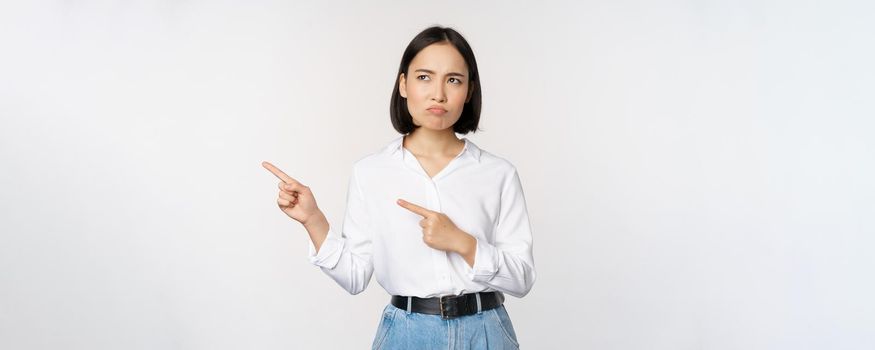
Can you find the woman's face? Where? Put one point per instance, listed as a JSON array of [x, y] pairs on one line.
[[437, 88]]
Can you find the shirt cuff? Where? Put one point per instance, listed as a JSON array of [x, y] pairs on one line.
[[485, 262], [329, 252]]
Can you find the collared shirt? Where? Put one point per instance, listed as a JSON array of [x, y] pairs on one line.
[[480, 192]]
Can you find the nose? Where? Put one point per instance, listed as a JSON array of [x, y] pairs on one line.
[[439, 95]]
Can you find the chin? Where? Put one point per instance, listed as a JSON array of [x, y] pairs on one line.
[[436, 127], [435, 124]]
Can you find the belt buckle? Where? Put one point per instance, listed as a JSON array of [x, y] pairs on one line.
[[443, 315]]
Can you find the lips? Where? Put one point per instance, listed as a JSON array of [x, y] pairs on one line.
[[436, 110]]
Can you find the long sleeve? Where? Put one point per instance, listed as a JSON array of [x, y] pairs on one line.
[[507, 264], [346, 255]]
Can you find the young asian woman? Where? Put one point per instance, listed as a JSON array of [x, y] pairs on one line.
[[440, 222]]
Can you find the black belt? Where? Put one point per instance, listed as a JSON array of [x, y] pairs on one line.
[[450, 306]]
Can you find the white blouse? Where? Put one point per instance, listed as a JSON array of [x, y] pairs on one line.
[[480, 192]]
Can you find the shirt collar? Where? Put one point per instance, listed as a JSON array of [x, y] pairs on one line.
[[395, 148]]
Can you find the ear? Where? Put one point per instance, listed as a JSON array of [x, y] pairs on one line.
[[402, 85]]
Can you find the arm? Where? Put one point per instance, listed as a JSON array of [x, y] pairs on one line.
[[506, 264], [344, 255], [317, 228]]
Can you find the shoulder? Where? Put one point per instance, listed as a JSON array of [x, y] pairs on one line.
[[505, 173], [492, 163], [500, 163], [379, 157], [503, 169]]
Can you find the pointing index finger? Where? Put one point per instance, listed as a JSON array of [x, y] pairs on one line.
[[278, 173], [415, 208]]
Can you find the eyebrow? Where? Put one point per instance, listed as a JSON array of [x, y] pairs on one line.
[[448, 74]]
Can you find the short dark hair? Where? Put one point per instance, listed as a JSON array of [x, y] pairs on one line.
[[470, 118]]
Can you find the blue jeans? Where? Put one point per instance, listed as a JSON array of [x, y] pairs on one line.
[[399, 329]]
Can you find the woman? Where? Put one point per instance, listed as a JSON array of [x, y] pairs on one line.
[[441, 222]]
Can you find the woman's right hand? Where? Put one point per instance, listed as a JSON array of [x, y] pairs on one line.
[[295, 199]]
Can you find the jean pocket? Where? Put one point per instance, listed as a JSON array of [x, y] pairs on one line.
[[502, 319], [386, 320]]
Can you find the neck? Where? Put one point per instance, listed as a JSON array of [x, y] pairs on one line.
[[428, 142]]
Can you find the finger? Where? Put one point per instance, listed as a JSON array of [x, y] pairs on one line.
[[283, 202], [415, 208], [293, 187], [423, 223], [282, 187], [291, 198], [287, 196], [278, 173]]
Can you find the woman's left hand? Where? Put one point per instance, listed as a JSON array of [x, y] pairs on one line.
[[439, 232]]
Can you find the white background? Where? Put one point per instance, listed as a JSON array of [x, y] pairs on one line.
[[699, 174]]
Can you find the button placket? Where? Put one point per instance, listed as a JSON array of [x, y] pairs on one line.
[[437, 256], [441, 258]]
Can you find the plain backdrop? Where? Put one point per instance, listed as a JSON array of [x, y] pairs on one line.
[[699, 174]]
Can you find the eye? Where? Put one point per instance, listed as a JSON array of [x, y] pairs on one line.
[[457, 80], [420, 76]]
